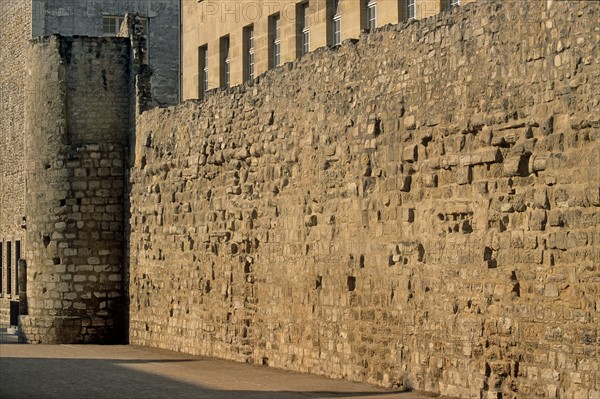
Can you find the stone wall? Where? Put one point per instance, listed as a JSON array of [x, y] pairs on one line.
[[15, 30], [77, 130], [418, 208]]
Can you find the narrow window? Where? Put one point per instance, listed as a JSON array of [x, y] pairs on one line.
[[8, 267], [225, 62], [1, 268], [371, 15], [337, 23], [275, 41], [144, 31], [202, 71], [410, 10], [306, 29], [17, 257], [144, 26], [249, 52], [303, 33]]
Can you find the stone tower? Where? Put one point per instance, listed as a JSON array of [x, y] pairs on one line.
[[78, 109]]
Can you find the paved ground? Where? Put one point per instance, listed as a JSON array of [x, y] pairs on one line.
[[96, 372]]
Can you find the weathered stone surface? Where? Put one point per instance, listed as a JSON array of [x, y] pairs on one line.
[[418, 208], [77, 131], [20, 20], [453, 249]]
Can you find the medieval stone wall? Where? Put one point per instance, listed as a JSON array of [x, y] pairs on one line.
[[77, 134], [15, 31], [419, 208]]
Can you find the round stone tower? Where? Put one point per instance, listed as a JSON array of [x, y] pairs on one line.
[[77, 127]]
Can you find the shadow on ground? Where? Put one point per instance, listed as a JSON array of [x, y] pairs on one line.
[[115, 372], [113, 378]]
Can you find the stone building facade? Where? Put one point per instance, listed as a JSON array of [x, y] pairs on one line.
[[15, 31], [227, 43]]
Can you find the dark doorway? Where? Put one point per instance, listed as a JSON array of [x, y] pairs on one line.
[[14, 313]]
